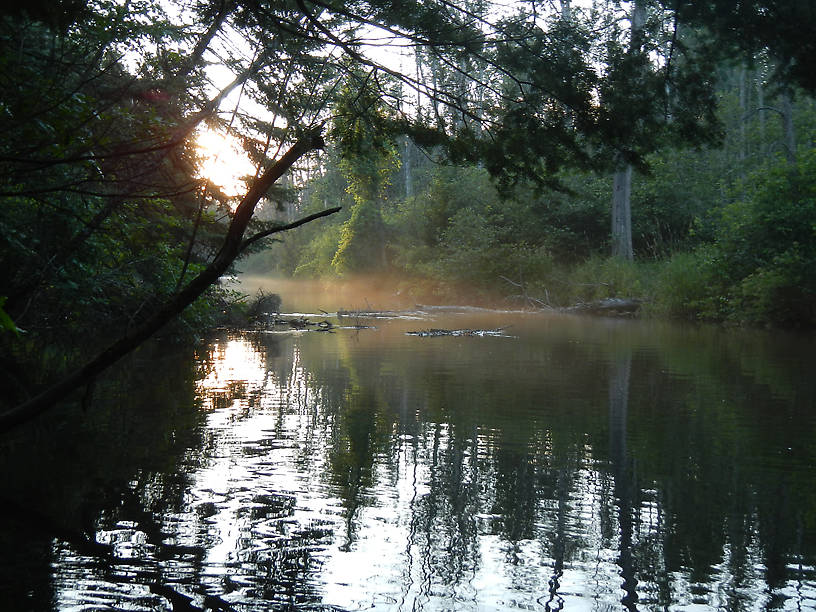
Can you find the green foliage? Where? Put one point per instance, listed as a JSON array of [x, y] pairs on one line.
[[95, 218], [602, 277], [6, 324], [316, 256], [367, 159], [419, 222], [766, 245], [782, 291], [470, 245], [362, 246], [688, 286], [94, 237], [668, 203], [361, 134], [782, 29], [777, 212], [712, 245], [761, 266], [573, 224]]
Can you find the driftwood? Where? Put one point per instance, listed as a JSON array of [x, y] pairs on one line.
[[296, 323], [278, 322], [607, 307], [419, 311], [375, 314], [610, 307], [524, 296], [263, 305], [425, 308], [435, 333]]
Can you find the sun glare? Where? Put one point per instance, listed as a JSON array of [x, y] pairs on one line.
[[223, 162]]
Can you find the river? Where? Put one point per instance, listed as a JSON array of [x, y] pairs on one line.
[[562, 463]]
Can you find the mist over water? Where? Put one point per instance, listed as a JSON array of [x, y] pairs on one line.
[[573, 464], [362, 293]]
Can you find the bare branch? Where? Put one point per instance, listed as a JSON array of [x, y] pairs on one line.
[[288, 226]]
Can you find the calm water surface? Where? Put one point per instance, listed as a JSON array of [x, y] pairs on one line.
[[570, 464]]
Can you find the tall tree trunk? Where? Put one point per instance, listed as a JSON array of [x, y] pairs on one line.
[[622, 213], [407, 168], [622, 179], [743, 105], [566, 10], [761, 113], [787, 125]]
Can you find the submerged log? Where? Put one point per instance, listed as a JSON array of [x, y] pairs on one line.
[[435, 333]]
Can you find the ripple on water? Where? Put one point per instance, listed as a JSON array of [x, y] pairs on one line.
[[469, 474]]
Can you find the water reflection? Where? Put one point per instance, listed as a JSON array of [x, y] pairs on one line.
[[578, 466]]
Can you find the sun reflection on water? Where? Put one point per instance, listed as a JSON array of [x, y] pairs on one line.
[[232, 362]]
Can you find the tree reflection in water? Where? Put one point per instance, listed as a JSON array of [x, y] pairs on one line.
[[620, 374], [577, 466]]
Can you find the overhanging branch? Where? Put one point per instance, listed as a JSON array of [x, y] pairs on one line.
[[288, 226], [231, 247]]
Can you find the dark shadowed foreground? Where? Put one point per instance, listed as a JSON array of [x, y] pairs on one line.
[[567, 464]]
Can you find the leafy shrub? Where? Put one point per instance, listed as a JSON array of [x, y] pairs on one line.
[[686, 286], [316, 256], [362, 241], [602, 277], [782, 292], [766, 246]]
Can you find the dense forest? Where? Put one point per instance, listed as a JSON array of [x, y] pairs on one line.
[[719, 233], [554, 151], [720, 225]]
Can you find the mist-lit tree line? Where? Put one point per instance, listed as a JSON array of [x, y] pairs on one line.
[[722, 214], [108, 234]]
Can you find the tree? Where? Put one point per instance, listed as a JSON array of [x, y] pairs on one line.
[[370, 158], [622, 181], [746, 29], [751, 30], [114, 164], [102, 102]]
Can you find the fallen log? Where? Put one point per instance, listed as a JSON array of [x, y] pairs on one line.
[[377, 314], [450, 308], [435, 333], [612, 307]]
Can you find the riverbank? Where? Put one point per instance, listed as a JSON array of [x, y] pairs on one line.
[[686, 287]]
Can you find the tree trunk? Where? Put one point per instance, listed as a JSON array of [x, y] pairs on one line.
[[622, 213], [761, 113], [638, 21], [787, 125], [231, 247], [622, 180], [566, 10], [743, 105], [407, 168]]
